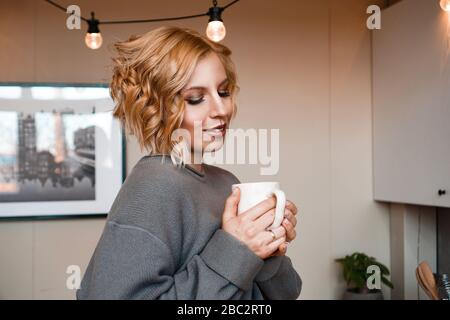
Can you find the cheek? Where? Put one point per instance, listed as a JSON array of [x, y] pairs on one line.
[[229, 106], [193, 116]]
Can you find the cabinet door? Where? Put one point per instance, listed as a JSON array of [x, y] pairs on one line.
[[411, 124], [444, 200]]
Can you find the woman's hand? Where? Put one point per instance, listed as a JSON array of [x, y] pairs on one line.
[[289, 223], [250, 226]]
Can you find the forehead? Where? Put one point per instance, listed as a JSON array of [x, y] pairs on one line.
[[209, 70]]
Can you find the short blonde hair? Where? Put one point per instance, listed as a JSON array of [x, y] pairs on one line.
[[148, 75]]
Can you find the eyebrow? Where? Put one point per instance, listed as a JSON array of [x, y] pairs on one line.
[[199, 87]]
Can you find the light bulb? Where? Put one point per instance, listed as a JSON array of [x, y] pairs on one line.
[[93, 40], [216, 31], [93, 37], [445, 5]]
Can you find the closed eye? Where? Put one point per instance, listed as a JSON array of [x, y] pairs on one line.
[[224, 93], [199, 100], [195, 101]]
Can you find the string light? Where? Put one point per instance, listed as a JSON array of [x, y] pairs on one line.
[[215, 30], [93, 37]]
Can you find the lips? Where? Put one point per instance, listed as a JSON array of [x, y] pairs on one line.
[[217, 130]]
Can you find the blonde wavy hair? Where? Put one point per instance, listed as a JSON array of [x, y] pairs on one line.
[[149, 72]]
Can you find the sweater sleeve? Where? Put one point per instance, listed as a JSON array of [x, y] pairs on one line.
[[118, 271], [278, 279]]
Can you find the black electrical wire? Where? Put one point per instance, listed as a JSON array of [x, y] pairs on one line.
[[144, 20], [153, 20], [64, 9], [231, 3]]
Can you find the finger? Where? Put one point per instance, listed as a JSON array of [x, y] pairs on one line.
[[279, 232], [264, 221], [290, 216], [274, 235], [259, 209], [290, 230], [291, 206], [283, 248], [231, 205], [273, 246]]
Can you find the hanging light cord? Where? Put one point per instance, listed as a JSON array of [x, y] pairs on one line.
[[64, 9], [144, 20]]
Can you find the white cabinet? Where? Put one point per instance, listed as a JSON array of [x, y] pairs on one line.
[[411, 104]]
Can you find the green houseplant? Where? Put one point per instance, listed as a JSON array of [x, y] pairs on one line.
[[355, 272]]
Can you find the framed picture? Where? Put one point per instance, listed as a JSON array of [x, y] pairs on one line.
[[61, 150]]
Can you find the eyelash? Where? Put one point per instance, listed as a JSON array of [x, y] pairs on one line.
[[223, 94]]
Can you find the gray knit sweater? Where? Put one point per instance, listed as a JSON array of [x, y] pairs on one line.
[[163, 240]]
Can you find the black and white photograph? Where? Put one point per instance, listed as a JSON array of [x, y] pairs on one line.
[[48, 141], [47, 156]]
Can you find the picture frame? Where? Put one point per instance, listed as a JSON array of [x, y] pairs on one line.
[[62, 153]]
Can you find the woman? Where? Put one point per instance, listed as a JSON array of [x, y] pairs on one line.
[[173, 231]]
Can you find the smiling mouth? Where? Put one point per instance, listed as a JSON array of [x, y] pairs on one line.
[[216, 130]]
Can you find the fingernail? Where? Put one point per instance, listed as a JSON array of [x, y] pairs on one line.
[[235, 190]]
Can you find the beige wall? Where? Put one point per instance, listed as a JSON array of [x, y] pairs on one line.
[[304, 67]]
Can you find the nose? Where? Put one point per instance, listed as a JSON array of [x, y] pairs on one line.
[[218, 107]]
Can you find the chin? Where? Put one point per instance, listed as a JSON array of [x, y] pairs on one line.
[[213, 146]]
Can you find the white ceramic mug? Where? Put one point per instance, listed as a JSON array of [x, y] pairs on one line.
[[253, 193]]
